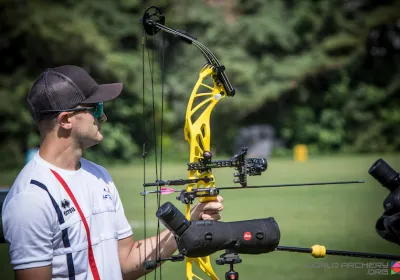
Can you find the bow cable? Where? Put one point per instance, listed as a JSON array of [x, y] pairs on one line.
[[209, 56], [158, 169], [144, 149]]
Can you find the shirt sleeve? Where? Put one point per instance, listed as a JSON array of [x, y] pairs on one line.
[[124, 229], [28, 225]]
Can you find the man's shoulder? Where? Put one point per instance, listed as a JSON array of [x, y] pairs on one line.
[[94, 168], [33, 178], [32, 171]]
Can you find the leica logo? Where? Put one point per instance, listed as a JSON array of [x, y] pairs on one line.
[[247, 236]]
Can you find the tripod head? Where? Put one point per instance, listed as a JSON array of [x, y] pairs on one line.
[[230, 257]]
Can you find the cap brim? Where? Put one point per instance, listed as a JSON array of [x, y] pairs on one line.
[[105, 92]]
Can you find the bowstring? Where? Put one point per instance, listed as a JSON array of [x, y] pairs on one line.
[[144, 147], [150, 56], [159, 176], [151, 59], [161, 131]]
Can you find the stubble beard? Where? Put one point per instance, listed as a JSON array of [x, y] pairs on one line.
[[87, 141]]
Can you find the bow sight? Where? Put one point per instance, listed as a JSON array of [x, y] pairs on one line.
[[245, 167]]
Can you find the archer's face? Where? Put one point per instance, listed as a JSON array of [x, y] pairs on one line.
[[86, 129]]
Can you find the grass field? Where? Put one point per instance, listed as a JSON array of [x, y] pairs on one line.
[[341, 217]]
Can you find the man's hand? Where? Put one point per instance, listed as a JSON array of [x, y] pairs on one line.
[[208, 210]]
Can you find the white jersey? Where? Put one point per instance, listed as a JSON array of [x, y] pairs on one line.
[[43, 225]]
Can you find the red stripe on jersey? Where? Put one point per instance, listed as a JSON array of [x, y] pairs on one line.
[[92, 261]]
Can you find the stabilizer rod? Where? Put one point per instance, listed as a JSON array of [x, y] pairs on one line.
[[318, 251]]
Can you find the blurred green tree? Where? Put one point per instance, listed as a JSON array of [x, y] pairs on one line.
[[324, 73]]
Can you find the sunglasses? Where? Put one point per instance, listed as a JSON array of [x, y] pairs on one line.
[[97, 110]]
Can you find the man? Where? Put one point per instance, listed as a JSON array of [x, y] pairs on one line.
[[63, 217]]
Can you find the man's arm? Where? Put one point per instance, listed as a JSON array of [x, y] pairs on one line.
[[43, 273], [28, 222], [132, 253]]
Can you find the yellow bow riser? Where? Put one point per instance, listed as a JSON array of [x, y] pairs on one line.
[[197, 132]]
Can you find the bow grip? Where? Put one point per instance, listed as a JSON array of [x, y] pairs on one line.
[[208, 199]]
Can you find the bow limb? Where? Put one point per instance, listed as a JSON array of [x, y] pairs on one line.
[[197, 133]]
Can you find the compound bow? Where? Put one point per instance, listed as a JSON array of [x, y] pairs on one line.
[[201, 181]]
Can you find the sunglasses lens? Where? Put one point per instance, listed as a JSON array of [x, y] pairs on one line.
[[98, 110]]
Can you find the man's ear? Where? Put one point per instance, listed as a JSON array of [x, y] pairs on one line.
[[63, 120]]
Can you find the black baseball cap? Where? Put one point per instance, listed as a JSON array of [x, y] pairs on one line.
[[65, 87]]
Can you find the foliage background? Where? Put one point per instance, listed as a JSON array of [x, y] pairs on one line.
[[322, 73]]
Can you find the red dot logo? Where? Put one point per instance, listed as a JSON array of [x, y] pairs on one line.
[[233, 276], [247, 235]]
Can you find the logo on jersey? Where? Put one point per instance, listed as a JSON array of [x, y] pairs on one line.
[[106, 193], [66, 205]]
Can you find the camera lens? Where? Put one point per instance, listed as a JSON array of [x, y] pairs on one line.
[[385, 175], [172, 218]]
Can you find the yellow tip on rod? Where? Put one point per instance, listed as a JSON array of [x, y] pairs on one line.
[[318, 251]]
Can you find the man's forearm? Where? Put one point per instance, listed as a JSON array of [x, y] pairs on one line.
[[132, 267]]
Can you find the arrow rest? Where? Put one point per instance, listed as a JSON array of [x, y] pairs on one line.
[[187, 197]]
